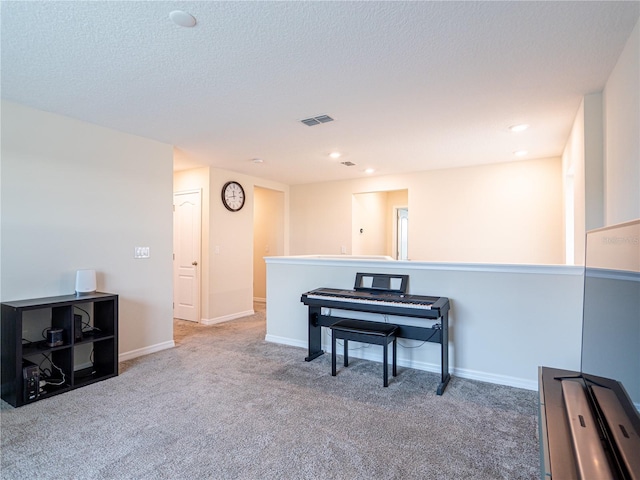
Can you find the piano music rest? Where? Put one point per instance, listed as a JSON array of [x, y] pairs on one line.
[[376, 333]]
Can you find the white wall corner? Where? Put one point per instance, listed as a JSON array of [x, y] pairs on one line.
[[226, 318]]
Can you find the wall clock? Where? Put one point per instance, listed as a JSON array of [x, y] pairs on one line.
[[233, 196]]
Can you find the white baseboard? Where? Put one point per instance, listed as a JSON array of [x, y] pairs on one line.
[[497, 379], [145, 351], [170, 344], [366, 354], [285, 341], [226, 318]]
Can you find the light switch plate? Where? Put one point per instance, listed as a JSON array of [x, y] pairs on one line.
[[141, 252]]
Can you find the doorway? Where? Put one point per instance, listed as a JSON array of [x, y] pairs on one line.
[[376, 226], [187, 228], [268, 236], [402, 233]]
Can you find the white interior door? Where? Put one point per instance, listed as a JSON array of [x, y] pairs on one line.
[[402, 238], [187, 228]]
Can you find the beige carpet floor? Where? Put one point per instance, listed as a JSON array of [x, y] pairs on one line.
[[225, 404]]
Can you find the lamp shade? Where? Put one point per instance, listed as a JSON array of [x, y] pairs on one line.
[[85, 282]]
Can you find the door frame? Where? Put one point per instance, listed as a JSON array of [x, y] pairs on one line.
[[397, 233]]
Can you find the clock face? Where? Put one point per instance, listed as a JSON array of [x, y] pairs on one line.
[[233, 196]]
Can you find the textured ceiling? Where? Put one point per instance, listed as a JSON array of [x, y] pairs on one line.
[[411, 85]]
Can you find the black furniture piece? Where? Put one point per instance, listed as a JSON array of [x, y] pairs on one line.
[[590, 420], [384, 294], [376, 333], [564, 454], [56, 344]]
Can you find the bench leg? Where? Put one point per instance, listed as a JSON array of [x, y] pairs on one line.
[[333, 354], [346, 352], [363, 337], [385, 359], [395, 355]]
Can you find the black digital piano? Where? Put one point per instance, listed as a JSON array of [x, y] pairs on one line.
[[384, 294]]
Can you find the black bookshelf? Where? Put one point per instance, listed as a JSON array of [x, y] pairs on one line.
[[88, 354]]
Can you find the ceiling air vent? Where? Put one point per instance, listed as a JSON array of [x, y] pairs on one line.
[[348, 164], [310, 122], [324, 118]]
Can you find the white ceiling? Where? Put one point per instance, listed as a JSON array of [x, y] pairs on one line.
[[412, 86]]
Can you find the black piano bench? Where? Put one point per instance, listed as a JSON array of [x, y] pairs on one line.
[[377, 333]]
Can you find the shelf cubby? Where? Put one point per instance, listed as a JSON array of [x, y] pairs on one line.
[[82, 359]]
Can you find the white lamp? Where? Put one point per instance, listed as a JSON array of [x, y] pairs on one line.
[[85, 282]]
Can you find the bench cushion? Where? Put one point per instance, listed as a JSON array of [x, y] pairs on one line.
[[370, 328]]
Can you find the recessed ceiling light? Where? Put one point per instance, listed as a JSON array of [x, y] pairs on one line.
[[257, 160], [520, 153], [519, 128], [183, 19], [335, 154], [369, 171]]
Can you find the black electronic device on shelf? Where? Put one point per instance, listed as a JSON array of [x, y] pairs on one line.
[[77, 327], [67, 358], [30, 381], [590, 420]]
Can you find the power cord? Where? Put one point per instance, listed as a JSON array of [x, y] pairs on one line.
[[436, 327], [341, 344], [86, 326], [48, 373], [338, 342]]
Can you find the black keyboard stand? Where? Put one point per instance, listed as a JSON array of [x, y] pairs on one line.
[[439, 333]]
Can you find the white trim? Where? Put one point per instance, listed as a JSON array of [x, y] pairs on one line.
[[226, 318], [364, 353], [596, 272], [139, 352], [348, 260], [497, 379], [285, 341], [192, 190]]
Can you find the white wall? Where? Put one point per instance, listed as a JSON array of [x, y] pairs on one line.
[[370, 224], [582, 165], [602, 154], [75, 195], [622, 135], [574, 191], [228, 242], [501, 213], [231, 241], [593, 161], [505, 321]]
